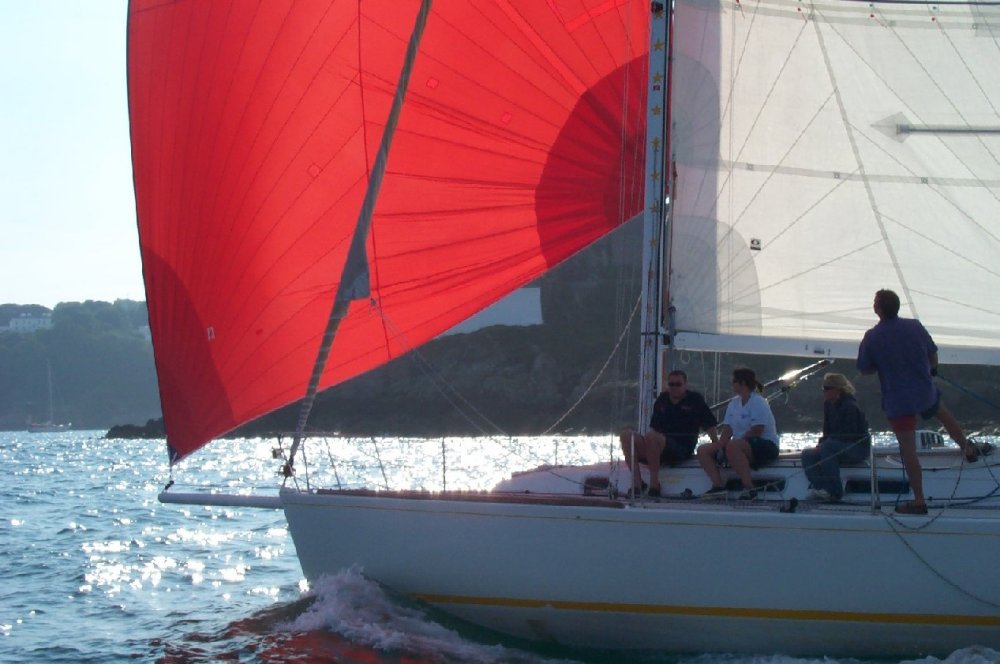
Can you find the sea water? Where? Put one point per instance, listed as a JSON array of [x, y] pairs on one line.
[[94, 569]]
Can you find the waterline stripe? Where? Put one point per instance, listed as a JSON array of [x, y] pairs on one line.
[[717, 611]]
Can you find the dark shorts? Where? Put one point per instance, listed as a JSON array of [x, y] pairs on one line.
[[905, 423], [764, 451], [930, 412], [675, 451]]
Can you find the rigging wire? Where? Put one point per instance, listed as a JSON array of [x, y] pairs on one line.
[[448, 390], [969, 392], [614, 352], [893, 521], [443, 385]]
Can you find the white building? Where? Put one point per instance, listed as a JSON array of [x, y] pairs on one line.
[[26, 323]]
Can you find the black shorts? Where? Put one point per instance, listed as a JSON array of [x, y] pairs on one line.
[[675, 451], [932, 410], [764, 451]]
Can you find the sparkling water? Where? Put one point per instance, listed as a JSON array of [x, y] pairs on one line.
[[94, 569]]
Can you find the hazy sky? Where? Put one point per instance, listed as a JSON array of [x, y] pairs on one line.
[[67, 212]]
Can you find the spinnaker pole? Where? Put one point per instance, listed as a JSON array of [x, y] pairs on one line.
[[354, 279]]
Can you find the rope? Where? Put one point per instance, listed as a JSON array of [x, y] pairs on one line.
[[448, 391], [611, 356], [442, 384], [969, 392], [892, 521]]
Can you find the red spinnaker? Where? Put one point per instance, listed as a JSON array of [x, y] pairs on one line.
[[254, 125]]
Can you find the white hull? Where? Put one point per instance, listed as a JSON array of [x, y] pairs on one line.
[[675, 575], [47, 428]]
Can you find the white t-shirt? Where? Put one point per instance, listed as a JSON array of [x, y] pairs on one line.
[[740, 417]]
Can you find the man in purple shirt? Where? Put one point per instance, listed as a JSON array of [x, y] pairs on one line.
[[905, 357]]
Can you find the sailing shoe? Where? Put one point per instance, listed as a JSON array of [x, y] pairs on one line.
[[974, 449], [911, 507], [820, 494], [749, 494], [971, 452], [715, 492]]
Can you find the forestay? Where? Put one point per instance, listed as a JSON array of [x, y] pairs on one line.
[[828, 149]]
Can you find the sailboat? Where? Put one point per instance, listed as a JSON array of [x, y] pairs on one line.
[[49, 425], [322, 186]]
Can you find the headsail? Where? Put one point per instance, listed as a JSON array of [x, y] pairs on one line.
[[827, 149], [254, 125]]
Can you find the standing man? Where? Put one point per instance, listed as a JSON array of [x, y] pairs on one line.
[[679, 414], [905, 357]]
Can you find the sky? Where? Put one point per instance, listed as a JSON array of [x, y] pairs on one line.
[[67, 211]]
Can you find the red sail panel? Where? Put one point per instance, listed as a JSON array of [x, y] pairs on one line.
[[254, 128]]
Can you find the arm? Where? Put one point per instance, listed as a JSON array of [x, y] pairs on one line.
[[865, 363], [725, 433], [848, 422], [828, 419], [760, 417], [656, 418], [726, 428], [708, 422], [859, 424]]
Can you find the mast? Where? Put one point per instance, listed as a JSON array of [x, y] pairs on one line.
[[654, 213], [52, 416]]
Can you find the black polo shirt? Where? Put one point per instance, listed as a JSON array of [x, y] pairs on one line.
[[684, 420]]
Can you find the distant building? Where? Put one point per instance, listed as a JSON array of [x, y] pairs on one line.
[[27, 323]]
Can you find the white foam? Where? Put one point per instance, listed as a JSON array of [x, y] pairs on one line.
[[359, 610], [971, 655]]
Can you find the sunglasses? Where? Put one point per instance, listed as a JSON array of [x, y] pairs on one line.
[[828, 387], [675, 384]]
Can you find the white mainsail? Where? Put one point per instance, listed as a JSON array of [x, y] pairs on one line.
[[827, 149]]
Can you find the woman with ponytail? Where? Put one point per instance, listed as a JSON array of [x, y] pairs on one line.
[[748, 437]]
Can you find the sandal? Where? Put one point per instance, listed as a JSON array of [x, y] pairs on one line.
[[911, 507], [715, 492], [971, 452]]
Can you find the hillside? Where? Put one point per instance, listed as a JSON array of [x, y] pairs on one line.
[[563, 376]]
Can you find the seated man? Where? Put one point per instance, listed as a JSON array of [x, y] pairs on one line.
[[678, 416]]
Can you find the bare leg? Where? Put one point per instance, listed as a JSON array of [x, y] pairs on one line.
[[626, 438], [911, 462], [952, 426], [706, 457], [739, 455], [655, 442]]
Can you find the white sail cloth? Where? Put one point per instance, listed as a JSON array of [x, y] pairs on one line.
[[823, 151]]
